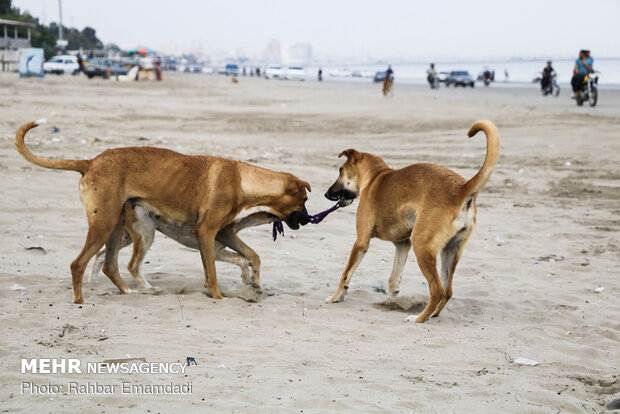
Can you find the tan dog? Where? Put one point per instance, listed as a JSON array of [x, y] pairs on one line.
[[426, 206], [202, 192], [387, 87], [141, 221]]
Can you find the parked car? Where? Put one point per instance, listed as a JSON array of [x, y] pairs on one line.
[[295, 73], [442, 76], [460, 77], [231, 69], [379, 76], [274, 71], [62, 64], [99, 67]]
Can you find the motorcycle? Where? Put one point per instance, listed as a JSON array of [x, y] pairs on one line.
[[552, 88], [589, 90]]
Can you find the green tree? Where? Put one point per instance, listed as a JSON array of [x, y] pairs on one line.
[[5, 7], [46, 36]]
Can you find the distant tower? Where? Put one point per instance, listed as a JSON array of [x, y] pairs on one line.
[[273, 51]]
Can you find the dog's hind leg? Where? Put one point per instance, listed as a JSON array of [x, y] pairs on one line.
[[236, 259], [229, 238], [400, 258], [450, 256], [426, 239], [97, 265], [100, 257], [142, 235], [110, 264], [100, 227]]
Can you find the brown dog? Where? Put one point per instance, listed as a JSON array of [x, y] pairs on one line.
[[141, 221], [426, 206], [202, 192], [387, 87]]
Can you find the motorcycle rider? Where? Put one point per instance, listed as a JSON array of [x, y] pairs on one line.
[[389, 73], [583, 66], [431, 75], [547, 75]]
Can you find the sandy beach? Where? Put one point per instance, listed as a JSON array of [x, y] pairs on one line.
[[539, 278]]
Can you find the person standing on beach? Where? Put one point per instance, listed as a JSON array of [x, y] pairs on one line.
[[80, 63], [431, 74], [583, 66], [158, 68], [320, 74]]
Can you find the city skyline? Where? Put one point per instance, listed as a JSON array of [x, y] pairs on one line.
[[347, 30]]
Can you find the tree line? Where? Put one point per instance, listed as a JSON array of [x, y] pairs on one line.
[[45, 37]]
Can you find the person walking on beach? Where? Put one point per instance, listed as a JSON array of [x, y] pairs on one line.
[[583, 66]]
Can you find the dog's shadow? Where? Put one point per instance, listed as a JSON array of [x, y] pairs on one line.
[[164, 286], [407, 304]]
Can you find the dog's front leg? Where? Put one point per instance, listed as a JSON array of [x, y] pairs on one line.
[[355, 258], [206, 243]]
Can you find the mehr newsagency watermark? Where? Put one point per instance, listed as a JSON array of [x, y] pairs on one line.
[[128, 366]]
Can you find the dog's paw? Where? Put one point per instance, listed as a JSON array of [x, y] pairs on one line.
[[334, 299], [144, 284], [421, 319], [130, 291]]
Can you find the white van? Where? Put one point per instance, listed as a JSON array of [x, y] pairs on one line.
[[62, 64]]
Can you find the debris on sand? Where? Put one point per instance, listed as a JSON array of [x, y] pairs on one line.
[[525, 361]]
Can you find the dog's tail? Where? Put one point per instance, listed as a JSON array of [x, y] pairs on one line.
[[80, 166], [478, 181]]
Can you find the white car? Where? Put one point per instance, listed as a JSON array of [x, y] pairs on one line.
[[295, 73], [62, 64], [274, 71]]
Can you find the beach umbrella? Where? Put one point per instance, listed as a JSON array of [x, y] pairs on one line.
[[142, 51]]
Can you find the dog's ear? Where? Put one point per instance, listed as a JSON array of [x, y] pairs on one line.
[[305, 184], [351, 154]]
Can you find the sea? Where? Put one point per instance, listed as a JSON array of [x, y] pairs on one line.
[[507, 72]]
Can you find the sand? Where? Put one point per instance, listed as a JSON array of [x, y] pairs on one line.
[[546, 239]]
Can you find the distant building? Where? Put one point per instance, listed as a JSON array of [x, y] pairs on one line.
[[273, 51], [13, 35], [297, 54]]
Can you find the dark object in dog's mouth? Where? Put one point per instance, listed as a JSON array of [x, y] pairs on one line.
[[344, 197], [303, 219], [278, 227]]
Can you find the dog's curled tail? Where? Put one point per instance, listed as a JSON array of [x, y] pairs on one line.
[[80, 166], [478, 181]]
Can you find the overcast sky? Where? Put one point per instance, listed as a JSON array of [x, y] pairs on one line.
[[411, 29]]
